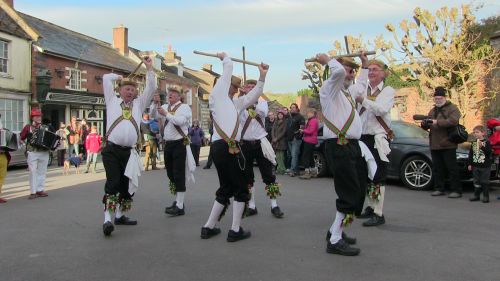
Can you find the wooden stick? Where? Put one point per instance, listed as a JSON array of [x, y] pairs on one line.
[[233, 59], [344, 56], [135, 70]]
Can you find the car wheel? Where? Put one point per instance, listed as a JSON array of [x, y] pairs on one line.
[[416, 173], [320, 163]]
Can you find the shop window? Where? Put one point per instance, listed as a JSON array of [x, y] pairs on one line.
[[12, 114]]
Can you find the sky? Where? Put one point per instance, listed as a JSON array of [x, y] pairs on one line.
[[281, 33]]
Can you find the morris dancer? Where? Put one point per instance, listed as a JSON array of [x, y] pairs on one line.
[[38, 157], [228, 159], [343, 153], [177, 153], [254, 142], [375, 112], [120, 159]]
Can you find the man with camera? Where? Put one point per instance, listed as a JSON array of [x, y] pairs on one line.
[[443, 115]]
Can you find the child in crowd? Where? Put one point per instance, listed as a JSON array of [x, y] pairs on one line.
[[480, 160], [93, 146]]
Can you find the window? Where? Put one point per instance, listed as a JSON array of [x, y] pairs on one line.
[[12, 114], [75, 79], [4, 56]]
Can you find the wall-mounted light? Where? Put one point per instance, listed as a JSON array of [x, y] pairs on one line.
[[59, 72], [98, 79]]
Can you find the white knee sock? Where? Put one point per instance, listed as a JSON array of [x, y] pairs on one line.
[[251, 203], [180, 199], [274, 203], [214, 214], [379, 205], [119, 213], [336, 229], [108, 216], [238, 208]]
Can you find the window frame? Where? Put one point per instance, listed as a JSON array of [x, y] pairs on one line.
[[6, 47]]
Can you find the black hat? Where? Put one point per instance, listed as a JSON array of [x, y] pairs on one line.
[[440, 91]]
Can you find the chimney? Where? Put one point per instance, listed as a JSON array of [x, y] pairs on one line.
[[120, 39], [207, 67], [10, 3], [171, 56]]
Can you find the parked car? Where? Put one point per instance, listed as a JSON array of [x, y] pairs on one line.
[[410, 158], [18, 157]]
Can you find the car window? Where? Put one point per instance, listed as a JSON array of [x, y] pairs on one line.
[[408, 130]]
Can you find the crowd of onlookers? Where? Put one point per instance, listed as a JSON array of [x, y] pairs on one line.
[[293, 139], [78, 141]]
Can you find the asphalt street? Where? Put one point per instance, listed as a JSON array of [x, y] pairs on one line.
[[60, 237]]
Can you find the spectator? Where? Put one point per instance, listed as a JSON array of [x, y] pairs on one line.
[[443, 115], [211, 132], [269, 124], [73, 137], [196, 135], [279, 141], [63, 144], [149, 143], [310, 138], [93, 146], [480, 160], [84, 132], [294, 123]]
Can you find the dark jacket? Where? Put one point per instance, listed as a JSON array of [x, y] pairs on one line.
[[482, 157], [269, 127], [447, 116], [278, 135], [293, 125], [196, 135]]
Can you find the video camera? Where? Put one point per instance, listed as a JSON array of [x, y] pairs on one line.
[[426, 121]]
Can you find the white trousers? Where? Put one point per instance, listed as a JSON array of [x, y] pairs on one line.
[[37, 163]]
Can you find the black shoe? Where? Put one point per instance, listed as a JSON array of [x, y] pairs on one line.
[[107, 228], [437, 193], [206, 168], [175, 211], [251, 212], [209, 232], [342, 248], [233, 236], [368, 213], [454, 195], [276, 211], [171, 207], [347, 239], [375, 220], [474, 198], [125, 221]]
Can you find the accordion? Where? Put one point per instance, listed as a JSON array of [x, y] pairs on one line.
[[45, 139], [8, 140]]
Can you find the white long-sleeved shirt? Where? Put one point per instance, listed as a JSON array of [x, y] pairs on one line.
[[224, 110], [255, 131], [336, 107], [124, 133], [381, 106], [181, 118]]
